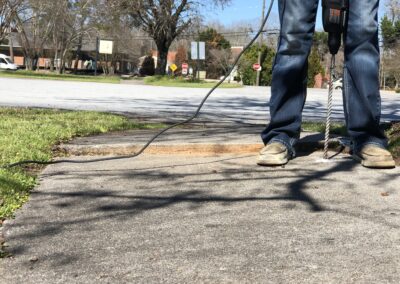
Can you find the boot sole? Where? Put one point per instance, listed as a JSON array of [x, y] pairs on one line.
[[389, 164], [272, 161]]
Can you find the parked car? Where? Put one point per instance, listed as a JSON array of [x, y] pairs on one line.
[[6, 63], [338, 84]]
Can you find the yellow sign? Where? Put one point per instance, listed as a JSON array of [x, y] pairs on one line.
[[173, 67]]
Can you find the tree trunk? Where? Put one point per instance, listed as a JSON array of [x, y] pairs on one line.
[[162, 58], [11, 43], [78, 54]]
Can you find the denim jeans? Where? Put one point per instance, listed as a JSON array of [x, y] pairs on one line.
[[362, 102]]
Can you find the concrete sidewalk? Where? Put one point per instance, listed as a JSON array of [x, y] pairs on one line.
[[197, 139], [180, 219]]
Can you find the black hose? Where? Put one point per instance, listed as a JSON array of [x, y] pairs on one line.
[[20, 163]]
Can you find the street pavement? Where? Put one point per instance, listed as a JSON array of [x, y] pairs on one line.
[[242, 105]]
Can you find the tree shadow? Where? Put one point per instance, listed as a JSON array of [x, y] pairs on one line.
[[195, 190]]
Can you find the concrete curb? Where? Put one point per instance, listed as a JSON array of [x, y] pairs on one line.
[[198, 149]]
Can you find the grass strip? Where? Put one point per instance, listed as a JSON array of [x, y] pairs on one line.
[[167, 81], [337, 128], [31, 133], [60, 77], [392, 131]]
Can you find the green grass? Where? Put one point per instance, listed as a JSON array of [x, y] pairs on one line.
[[336, 128], [393, 133], [61, 77], [167, 81], [31, 134]]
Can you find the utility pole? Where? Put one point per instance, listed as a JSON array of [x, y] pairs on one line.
[[260, 42]]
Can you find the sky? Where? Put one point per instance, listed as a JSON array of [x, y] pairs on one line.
[[250, 10]]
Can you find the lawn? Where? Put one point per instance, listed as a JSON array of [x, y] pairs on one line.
[[31, 134], [61, 77], [392, 131], [336, 127], [167, 81]]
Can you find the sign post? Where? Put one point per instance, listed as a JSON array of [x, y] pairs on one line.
[[198, 52], [103, 47]]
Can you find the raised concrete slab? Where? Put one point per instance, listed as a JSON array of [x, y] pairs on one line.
[[197, 141], [179, 219]]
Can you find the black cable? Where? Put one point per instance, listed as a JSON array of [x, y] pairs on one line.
[[165, 129]]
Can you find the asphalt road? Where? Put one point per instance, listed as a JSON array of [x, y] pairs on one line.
[[248, 105]]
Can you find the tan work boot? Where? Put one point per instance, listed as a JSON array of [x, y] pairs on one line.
[[373, 156], [274, 154]]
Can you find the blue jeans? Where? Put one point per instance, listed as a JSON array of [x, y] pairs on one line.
[[362, 102]]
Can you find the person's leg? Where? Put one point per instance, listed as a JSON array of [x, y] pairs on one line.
[[362, 102], [289, 75]]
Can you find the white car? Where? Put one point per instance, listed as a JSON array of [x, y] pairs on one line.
[[338, 84], [6, 63]]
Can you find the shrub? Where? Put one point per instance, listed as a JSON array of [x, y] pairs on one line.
[[148, 67], [250, 57]]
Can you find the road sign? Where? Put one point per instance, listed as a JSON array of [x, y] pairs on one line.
[[198, 50], [185, 68], [257, 67], [173, 67], [106, 46]]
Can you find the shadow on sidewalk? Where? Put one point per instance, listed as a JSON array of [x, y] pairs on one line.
[[103, 204]]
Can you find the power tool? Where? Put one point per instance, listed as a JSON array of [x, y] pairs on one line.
[[334, 17]]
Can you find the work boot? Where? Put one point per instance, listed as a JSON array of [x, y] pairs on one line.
[[373, 156], [274, 154]]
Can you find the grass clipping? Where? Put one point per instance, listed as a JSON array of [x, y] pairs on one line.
[[30, 134]]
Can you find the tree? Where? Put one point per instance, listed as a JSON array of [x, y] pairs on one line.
[[164, 20], [34, 22], [220, 61], [148, 66], [181, 56], [321, 44], [393, 9], [314, 67], [73, 21], [7, 12], [391, 48], [250, 57], [218, 52], [214, 39]]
